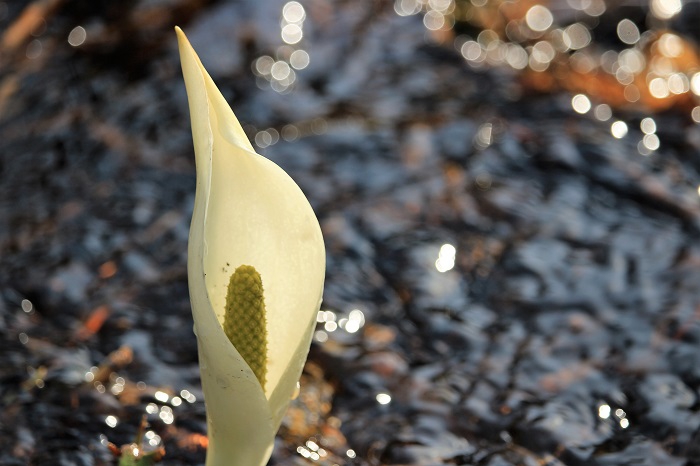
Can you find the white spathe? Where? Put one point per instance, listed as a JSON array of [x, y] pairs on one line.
[[247, 211]]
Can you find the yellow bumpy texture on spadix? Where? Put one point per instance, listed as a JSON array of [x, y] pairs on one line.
[[245, 323]]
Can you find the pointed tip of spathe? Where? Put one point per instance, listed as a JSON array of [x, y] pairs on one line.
[[186, 49], [182, 41], [181, 37]]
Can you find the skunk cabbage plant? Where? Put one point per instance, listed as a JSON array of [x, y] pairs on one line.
[[256, 264]]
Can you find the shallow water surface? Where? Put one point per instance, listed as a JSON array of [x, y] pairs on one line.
[[513, 267]]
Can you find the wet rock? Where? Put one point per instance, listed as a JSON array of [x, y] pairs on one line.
[[669, 402], [72, 281], [642, 453]]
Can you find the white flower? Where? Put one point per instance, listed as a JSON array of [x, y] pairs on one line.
[[247, 211]]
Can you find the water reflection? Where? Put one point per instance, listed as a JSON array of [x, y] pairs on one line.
[[118, 386], [330, 326], [581, 103], [434, 20], [266, 138], [539, 18], [651, 141], [292, 33], [111, 421], [628, 32], [166, 414], [351, 323], [189, 397], [657, 67], [665, 9], [27, 306], [619, 129], [621, 415], [446, 258], [484, 136], [603, 112], [77, 36], [290, 133], [293, 13], [356, 320], [312, 451], [695, 83], [299, 59], [34, 49], [278, 71], [90, 374], [152, 438], [383, 398], [406, 7]]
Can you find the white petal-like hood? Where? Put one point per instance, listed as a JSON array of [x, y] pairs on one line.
[[247, 211]]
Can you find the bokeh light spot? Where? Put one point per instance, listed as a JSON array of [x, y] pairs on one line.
[[651, 141], [299, 59], [665, 9], [619, 129], [263, 65], [595, 8], [292, 33], [34, 49], [670, 45], [434, 20], [539, 18], [580, 103], [658, 88], [446, 258], [631, 60], [406, 7], [695, 114], [603, 112], [280, 70], [631, 93], [695, 83], [77, 36], [678, 83], [293, 12], [648, 125], [383, 398], [628, 32], [577, 36]]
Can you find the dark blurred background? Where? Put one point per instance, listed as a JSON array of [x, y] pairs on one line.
[[509, 193]]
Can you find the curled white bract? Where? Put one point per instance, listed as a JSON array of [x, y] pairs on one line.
[[247, 211]]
